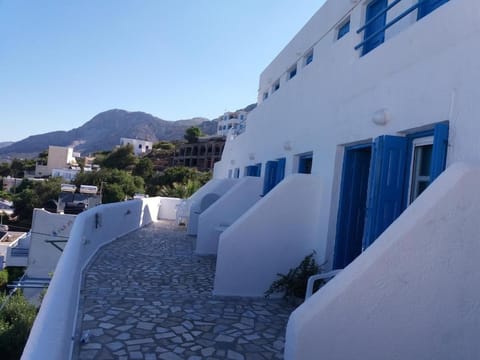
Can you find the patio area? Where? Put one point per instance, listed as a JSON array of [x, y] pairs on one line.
[[148, 296]]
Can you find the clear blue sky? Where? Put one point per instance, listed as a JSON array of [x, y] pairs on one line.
[[64, 61]]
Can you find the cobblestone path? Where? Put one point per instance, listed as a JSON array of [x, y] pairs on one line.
[[148, 296]]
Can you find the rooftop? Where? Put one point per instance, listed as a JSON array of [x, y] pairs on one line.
[[148, 296]]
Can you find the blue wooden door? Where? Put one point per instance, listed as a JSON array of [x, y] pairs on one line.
[[386, 185], [352, 206], [375, 21], [425, 7], [270, 176], [280, 170]]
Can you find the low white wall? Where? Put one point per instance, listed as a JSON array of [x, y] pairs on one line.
[[54, 327], [273, 236], [225, 211], [214, 186], [43, 256], [413, 294], [168, 208]]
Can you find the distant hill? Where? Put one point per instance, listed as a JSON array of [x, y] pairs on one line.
[[5, 143], [103, 132]]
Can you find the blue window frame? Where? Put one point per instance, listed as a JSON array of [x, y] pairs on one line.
[[425, 7], [274, 173], [292, 72], [375, 20], [305, 163], [276, 86], [236, 173], [343, 29], [309, 57], [253, 170]]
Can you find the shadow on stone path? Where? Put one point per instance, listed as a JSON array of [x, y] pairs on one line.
[[148, 296]]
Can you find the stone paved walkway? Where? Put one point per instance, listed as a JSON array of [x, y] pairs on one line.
[[147, 296]]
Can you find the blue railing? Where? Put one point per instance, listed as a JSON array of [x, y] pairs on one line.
[[406, 12]]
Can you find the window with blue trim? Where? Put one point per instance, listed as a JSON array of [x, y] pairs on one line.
[[276, 86], [343, 29], [308, 58], [292, 72], [375, 21], [236, 173], [305, 163]]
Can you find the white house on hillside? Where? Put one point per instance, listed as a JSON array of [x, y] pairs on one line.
[[139, 146], [59, 157]]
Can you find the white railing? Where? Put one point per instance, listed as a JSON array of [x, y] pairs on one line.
[[53, 333]]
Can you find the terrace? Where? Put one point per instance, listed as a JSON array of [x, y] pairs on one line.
[[146, 295]]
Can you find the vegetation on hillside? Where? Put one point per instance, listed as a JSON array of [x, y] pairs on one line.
[[121, 176]]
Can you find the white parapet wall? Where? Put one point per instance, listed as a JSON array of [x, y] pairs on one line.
[[216, 187], [413, 294], [265, 240], [53, 333], [225, 211], [49, 235], [168, 208]]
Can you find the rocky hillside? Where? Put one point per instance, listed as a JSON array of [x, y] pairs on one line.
[[103, 132]]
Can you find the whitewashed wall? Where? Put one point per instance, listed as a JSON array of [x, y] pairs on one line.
[[225, 211], [272, 236], [424, 74], [52, 335], [42, 256], [214, 186], [413, 294]]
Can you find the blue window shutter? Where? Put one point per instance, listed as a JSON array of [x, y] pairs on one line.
[[280, 170], [427, 6], [270, 176], [439, 152], [258, 171], [385, 185], [373, 34]]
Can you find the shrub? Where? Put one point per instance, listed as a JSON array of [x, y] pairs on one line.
[[294, 283], [16, 320]]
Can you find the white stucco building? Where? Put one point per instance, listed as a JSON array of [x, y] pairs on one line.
[[59, 157], [139, 146], [364, 148], [232, 123], [362, 111]]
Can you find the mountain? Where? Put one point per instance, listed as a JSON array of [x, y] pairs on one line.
[[5, 143], [103, 132]]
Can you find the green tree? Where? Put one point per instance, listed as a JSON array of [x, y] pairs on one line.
[[122, 158], [144, 168], [163, 145], [34, 194], [106, 178], [16, 320], [17, 168], [4, 169], [180, 190], [192, 134]]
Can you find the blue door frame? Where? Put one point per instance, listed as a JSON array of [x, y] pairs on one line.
[[351, 212], [374, 205], [274, 173]]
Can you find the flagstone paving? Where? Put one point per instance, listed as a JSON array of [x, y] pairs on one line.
[[148, 296]]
